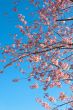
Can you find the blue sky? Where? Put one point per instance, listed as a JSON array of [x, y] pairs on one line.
[[16, 96], [13, 96]]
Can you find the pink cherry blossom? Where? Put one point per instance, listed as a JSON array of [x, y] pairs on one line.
[[36, 58], [62, 96], [34, 86], [54, 61], [52, 99]]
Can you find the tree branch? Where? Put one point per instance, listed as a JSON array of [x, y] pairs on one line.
[[34, 53], [71, 0], [62, 105], [69, 19]]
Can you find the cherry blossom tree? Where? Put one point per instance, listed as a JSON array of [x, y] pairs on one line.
[[48, 49]]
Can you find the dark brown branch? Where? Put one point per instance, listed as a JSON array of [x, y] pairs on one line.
[[67, 7], [71, 0], [62, 104], [69, 19], [36, 52]]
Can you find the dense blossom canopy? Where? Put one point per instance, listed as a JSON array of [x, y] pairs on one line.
[[48, 49]]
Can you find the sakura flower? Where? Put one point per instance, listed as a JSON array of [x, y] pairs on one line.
[[24, 22], [34, 86], [52, 41], [54, 61], [58, 0], [52, 85], [59, 73], [30, 36], [63, 21], [47, 79], [62, 96], [36, 58], [39, 100], [6, 51], [65, 66], [19, 26], [20, 16], [66, 76], [67, 81], [13, 45], [67, 40], [46, 105], [52, 99], [58, 84], [44, 64], [42, 45]]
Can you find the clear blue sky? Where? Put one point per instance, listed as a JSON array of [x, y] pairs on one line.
[[15, 96]]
